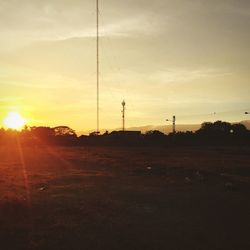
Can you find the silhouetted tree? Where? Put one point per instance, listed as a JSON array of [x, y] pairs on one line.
[[154, 133], [216, 128], [239, 129], [42, 132], [64, 131], [94, 133]]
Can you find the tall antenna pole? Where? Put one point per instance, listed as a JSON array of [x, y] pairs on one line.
[[123, 115], [97, 65]]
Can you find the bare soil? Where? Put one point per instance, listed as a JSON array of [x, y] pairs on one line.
[[124, 198]]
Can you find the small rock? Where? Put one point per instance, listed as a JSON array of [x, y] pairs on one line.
[[42, 188]]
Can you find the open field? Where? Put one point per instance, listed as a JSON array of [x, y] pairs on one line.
[[124, 198]]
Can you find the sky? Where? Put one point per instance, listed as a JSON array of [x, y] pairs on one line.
[[188, 58]]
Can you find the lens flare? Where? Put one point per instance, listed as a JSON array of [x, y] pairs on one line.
[[14, 121]]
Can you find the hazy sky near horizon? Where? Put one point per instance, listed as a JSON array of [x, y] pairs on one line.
[[184, 57]]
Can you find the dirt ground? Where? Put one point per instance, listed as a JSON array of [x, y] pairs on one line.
[[124, 198]]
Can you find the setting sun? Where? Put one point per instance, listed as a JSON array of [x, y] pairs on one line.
[[14, 121]]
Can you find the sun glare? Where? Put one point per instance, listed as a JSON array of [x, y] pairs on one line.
[[14, 121]]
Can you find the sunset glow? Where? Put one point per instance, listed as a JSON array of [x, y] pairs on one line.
[[165, 58], [14, 121]]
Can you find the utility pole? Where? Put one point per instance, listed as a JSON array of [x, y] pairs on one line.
[[123, 115], [173, 121], [97, 67]]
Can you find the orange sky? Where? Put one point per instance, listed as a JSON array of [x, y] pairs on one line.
[[188, 58]]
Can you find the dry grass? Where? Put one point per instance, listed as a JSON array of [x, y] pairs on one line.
[[124, 198]]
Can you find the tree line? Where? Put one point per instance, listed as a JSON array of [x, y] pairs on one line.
[[219, 132]]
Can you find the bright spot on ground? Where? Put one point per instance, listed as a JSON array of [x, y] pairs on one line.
[[14, 121]]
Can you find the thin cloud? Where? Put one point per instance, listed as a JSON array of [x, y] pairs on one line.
[[180, 76]]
